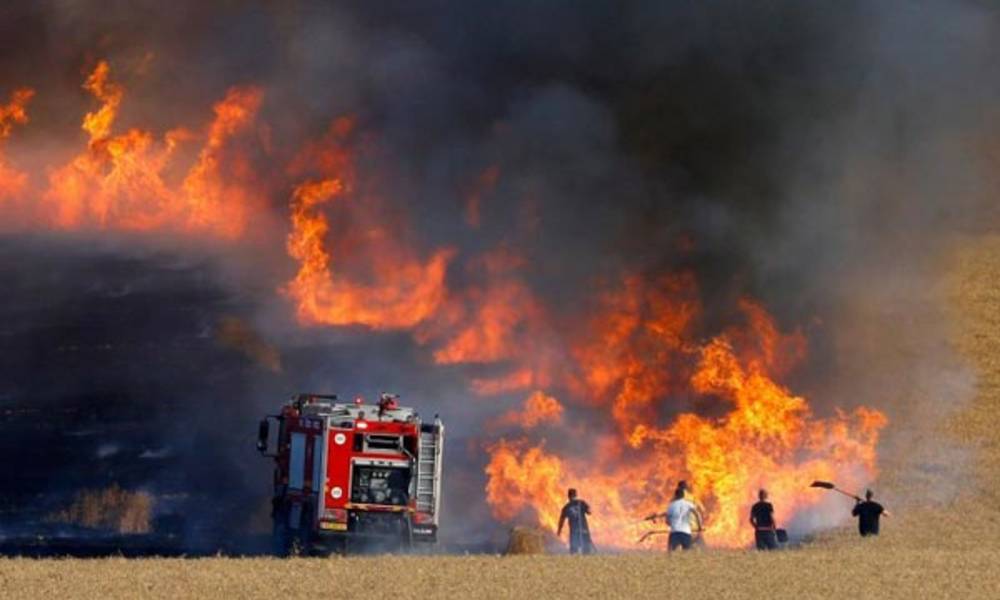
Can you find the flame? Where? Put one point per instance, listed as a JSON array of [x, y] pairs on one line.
[[15, 111], [98, 124], [12, 181], [397, 290], [521, 379], [539, 408], [484, 321], [623, 362], [763, 435], [645, 395], [122, 180], [215, 201]]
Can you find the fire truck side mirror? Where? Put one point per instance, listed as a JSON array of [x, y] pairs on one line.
[[267, 436]]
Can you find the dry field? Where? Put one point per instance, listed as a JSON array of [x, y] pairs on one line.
[[950, 550], [872, 572]]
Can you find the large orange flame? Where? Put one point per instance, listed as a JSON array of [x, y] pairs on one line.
[[482, 324], [122, 181], [394, 291], [538, 409], [15, 111], [12, 181], [620, 403], [761, 435]]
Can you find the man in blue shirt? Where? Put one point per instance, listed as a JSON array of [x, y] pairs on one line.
[[575, 511]]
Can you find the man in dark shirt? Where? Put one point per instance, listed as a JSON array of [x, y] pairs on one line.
[[575, 511], [868, 513], [762, 519]]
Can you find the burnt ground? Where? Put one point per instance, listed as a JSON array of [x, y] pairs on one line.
[[110, 373]]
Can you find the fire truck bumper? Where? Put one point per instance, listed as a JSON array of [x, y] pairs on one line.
[[424, 532]]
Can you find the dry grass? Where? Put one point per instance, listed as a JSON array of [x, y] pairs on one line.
[[110, 509], [936, 552], [871, 572], [975, 294]]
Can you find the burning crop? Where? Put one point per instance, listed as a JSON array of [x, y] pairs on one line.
[[762, 434], [128, 180], [623, 398], [12, 182], [612, 258]]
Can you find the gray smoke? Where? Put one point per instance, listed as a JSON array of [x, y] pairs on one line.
[[819, 156]]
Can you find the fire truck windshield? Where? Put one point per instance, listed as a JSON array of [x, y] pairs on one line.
[[380, 485]]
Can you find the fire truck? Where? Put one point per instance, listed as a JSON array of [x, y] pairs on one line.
[[352, 475]]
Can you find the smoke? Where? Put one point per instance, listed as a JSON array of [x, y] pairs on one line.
[[815, 158]]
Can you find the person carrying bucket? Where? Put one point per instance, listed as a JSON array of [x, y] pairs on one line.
[[762, 519]]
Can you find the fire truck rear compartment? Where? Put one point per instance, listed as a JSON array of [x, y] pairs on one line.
[[351, 479]]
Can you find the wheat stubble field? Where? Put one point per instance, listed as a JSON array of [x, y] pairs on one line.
[[943, 551]]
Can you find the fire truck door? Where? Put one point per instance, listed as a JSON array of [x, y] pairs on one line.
[[317, 464], [297, 461]]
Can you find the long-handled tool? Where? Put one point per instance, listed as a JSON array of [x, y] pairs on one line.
[[695, 535], [650, 534], [826, 485]]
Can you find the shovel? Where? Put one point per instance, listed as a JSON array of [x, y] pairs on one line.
[[826, 485]]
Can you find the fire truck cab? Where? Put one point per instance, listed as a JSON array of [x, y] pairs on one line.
[[347, 473]]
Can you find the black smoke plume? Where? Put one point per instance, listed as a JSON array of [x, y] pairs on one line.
[[818, 155]]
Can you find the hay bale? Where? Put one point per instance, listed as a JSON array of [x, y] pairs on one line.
[[526, 540]]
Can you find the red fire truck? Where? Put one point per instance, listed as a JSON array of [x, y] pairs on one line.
[[352, 473]]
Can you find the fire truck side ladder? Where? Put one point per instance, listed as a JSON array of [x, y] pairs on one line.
[[429, 468]]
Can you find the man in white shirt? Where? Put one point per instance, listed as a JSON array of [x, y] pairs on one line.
[[678, 517]]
